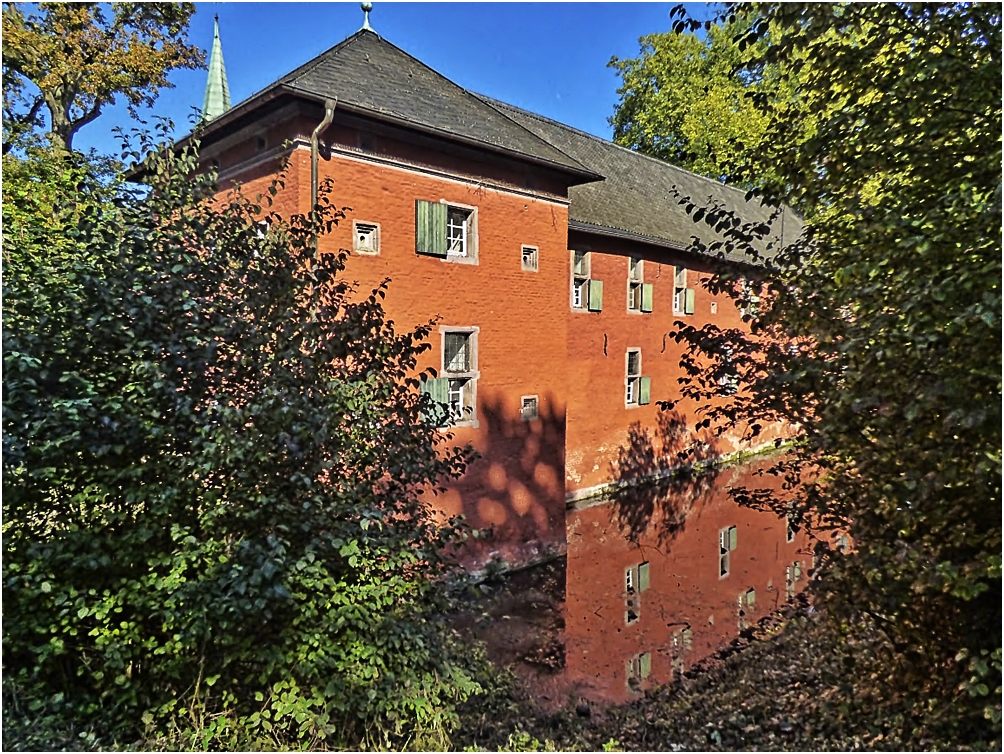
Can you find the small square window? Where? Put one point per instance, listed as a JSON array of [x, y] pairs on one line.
[[529, 256], [528, 411], [366, 238]]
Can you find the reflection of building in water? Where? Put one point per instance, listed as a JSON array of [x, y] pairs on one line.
[[641, 610]]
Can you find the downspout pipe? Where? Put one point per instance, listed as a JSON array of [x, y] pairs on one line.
[[329, 113]]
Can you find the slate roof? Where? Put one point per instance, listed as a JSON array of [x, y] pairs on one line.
[[636, 198], [369, 74]]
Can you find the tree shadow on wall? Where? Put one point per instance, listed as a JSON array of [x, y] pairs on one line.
[[517, 487], [660, 474]]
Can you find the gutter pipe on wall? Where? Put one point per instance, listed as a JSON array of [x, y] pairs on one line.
[[329, 113]]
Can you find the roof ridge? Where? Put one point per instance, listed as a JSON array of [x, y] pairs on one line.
[[664, 163]]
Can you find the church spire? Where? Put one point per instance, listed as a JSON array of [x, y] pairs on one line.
[[217, 99]]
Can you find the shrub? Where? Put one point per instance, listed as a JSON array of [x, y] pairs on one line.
[[216, 476]]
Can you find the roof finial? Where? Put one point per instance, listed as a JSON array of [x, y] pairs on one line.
[[367, 7]]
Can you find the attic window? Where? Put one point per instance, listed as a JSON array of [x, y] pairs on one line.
[[261, 143]]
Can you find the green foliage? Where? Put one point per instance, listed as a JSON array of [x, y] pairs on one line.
[[74, 59], [217, 522], [878, 334], [687, 99]]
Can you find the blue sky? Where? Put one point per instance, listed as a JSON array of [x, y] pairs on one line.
[[550, 58]]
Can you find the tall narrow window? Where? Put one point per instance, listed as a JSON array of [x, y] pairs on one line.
[[637, 389], [633, 376], [728, 379], [727, 542], [580, 279], [457, 231], [683, 297], [636, 277], [459, 368], [750, 300]]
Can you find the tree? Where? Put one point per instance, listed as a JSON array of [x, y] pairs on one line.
[[80, 60], [877, 335], [685, 100], [218, 483]]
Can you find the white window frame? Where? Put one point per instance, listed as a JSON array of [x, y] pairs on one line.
[[632, 382], [356, 234], [533, 254], [580, 282], [469, 253], [635, 283], [679, 289], [463, 384]]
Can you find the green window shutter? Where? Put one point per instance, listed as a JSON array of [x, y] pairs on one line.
[[595, 295], [688, 306], [733, 538], [439, 391], [430, 228], [644, 391], [645, 665], [643, 577], [647, 294], [751, 598]]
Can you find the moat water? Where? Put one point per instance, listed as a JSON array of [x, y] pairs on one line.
[[652, 584]]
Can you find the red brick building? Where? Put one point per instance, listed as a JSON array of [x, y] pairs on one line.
[[555, 262]]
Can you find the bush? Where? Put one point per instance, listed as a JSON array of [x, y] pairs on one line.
[[216, 477]]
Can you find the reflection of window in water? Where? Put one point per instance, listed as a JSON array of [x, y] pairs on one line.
[[728, 539], [637, 669], [681, 642], [636, 581], [747, 602]]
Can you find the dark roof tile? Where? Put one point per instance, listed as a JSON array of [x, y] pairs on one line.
[[637, 196], [368, 72]]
